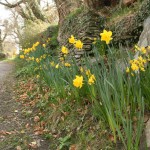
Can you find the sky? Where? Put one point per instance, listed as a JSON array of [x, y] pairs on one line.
[[4, 14]]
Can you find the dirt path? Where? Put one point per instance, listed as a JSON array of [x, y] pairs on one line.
[[13, 132]]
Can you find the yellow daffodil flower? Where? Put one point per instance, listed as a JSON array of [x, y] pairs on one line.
[[64, 50], [67, 65], [106, 36], [78, 44], [72, 39], [22, 56], [78, 81], [91, 80]]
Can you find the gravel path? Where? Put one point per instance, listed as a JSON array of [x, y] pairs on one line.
[[5, 68], [13, 134]]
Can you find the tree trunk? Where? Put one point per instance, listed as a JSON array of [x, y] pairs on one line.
[[35, 7], [1, 42], [65, 7], [99, 4]]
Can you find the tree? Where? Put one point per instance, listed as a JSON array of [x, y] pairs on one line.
[[65, 7], [4, 33], [28, 9]]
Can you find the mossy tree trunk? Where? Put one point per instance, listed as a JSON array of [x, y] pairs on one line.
[[65, 7], [97, 4]]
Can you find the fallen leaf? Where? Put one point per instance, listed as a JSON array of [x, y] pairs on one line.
[[36, 119], [73, 147], [27, 126], [111, 138], [18, 148], [33, 145], [22, 131]]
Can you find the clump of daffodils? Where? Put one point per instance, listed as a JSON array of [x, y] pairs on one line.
[[91, 79], [140, 62], [78, 81], [77, 43], [137, 65]]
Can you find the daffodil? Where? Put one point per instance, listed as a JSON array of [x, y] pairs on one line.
[[127, 70], [134, 67], [143, 50], [37, 60], [91, 80], [44, 45], [88, 72], [61, 59], [22, 56], [64, 50], [72, 39], [106, 36], [57, 66], [78, 81], [81, 69], [67, 65], [78, 44], [52, 63]]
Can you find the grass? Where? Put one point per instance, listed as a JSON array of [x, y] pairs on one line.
[[122, 11], [114, 101]]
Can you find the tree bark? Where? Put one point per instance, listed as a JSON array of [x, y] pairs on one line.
[[1, 45], [65, 7], [35, 7], [99, 4]]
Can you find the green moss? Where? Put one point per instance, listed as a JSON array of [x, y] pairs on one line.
[[75, 13]]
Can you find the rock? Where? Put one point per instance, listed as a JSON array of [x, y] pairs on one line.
[[144, 39], [127, 29], [85, 26], [128, 2]]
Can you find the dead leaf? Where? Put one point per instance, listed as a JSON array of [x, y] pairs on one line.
[[73, 147], [27, 126], [33, 145], [18, 148], [111, 138], [36, 119], [16, 111]]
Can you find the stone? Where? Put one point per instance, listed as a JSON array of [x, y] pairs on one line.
[[128, 28], [85, 26], [144, 39]]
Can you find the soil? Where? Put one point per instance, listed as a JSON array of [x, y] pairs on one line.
[[14, 134]]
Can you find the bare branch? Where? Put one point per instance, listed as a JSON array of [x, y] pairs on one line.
[[7, 4]]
